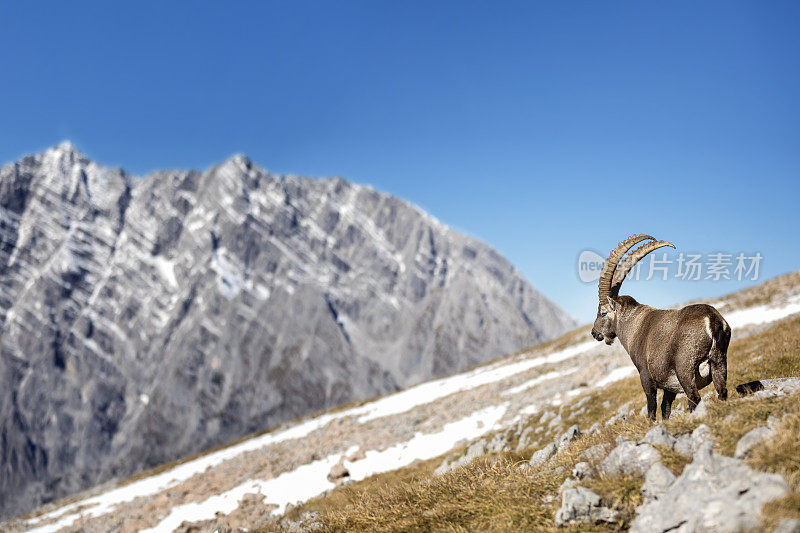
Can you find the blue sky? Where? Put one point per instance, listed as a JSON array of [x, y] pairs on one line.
[[540, 128]]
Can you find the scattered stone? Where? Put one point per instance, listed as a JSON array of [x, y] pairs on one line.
[[656, 482], [582, 506], [569, 483], [547, 415], [701, 410], [629, 458], [568, 436], [475, 450], [554, 422], [788, 525], [714, 493], [751, 439], [525, 439], [497, 443], [338, 474], [582, 470], [659, 436], [689, 443], [595, 428], [540, 457], [773, 422], [595, 454], [777, 387]]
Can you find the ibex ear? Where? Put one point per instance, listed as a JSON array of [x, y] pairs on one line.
[[611, 303]]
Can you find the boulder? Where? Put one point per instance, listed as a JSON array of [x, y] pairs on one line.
[[582, 470], [540, 457], [629, 458], [788, 525], [581, 505], [568, 437], [525, 439], [656, 482], [751, 439], [714, 493], [659, 436], [338, 474], [688, 443], [595, 454]]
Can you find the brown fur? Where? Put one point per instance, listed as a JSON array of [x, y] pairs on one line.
[[668, 347]]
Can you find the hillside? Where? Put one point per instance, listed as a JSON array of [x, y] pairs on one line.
[[145, 319], [472, 451]]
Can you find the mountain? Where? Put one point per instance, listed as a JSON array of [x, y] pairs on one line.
[[144, 319]]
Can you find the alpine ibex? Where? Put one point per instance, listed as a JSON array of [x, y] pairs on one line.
[[677, 350]]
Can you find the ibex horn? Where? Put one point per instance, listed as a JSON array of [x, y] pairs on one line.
[[631, 260], [604, 289]]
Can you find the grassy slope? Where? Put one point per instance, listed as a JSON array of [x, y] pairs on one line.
[[497, 493]]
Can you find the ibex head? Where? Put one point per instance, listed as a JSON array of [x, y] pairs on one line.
[[611, 280]]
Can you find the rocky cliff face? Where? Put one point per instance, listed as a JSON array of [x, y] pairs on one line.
[[143, 319]]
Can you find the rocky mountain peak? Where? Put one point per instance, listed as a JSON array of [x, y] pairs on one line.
[[143, 320]]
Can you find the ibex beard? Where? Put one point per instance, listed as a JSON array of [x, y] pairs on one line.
[[676, 350]]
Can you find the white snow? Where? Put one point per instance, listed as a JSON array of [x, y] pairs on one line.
[[310, 479], [166, 269], [763, 313], [539, 379], [433, 390], [616, 375]]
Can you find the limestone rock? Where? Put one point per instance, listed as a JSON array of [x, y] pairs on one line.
[[788, 525], [659, 436], [687, 444], [714, 493], [568, 437], [656, 482], [595, 454], [540, 457], [581, 505], [751, 439], [629, 458]]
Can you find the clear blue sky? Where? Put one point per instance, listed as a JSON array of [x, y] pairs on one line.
[[541, 128]]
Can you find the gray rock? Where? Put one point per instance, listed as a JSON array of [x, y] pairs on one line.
[[546, 416], [689, 443], [629, 458], [595, 428], [595, 454], [338, 474], [701, 410], [714, 493], [475, 450], [788, 525], [581, 505], [569, 483], [540, 457], [554, 422], [145, 319], [497, 444], [659, 436], [525, 439], [582, 470], [656, 482], [568, 437], [751, 439]]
